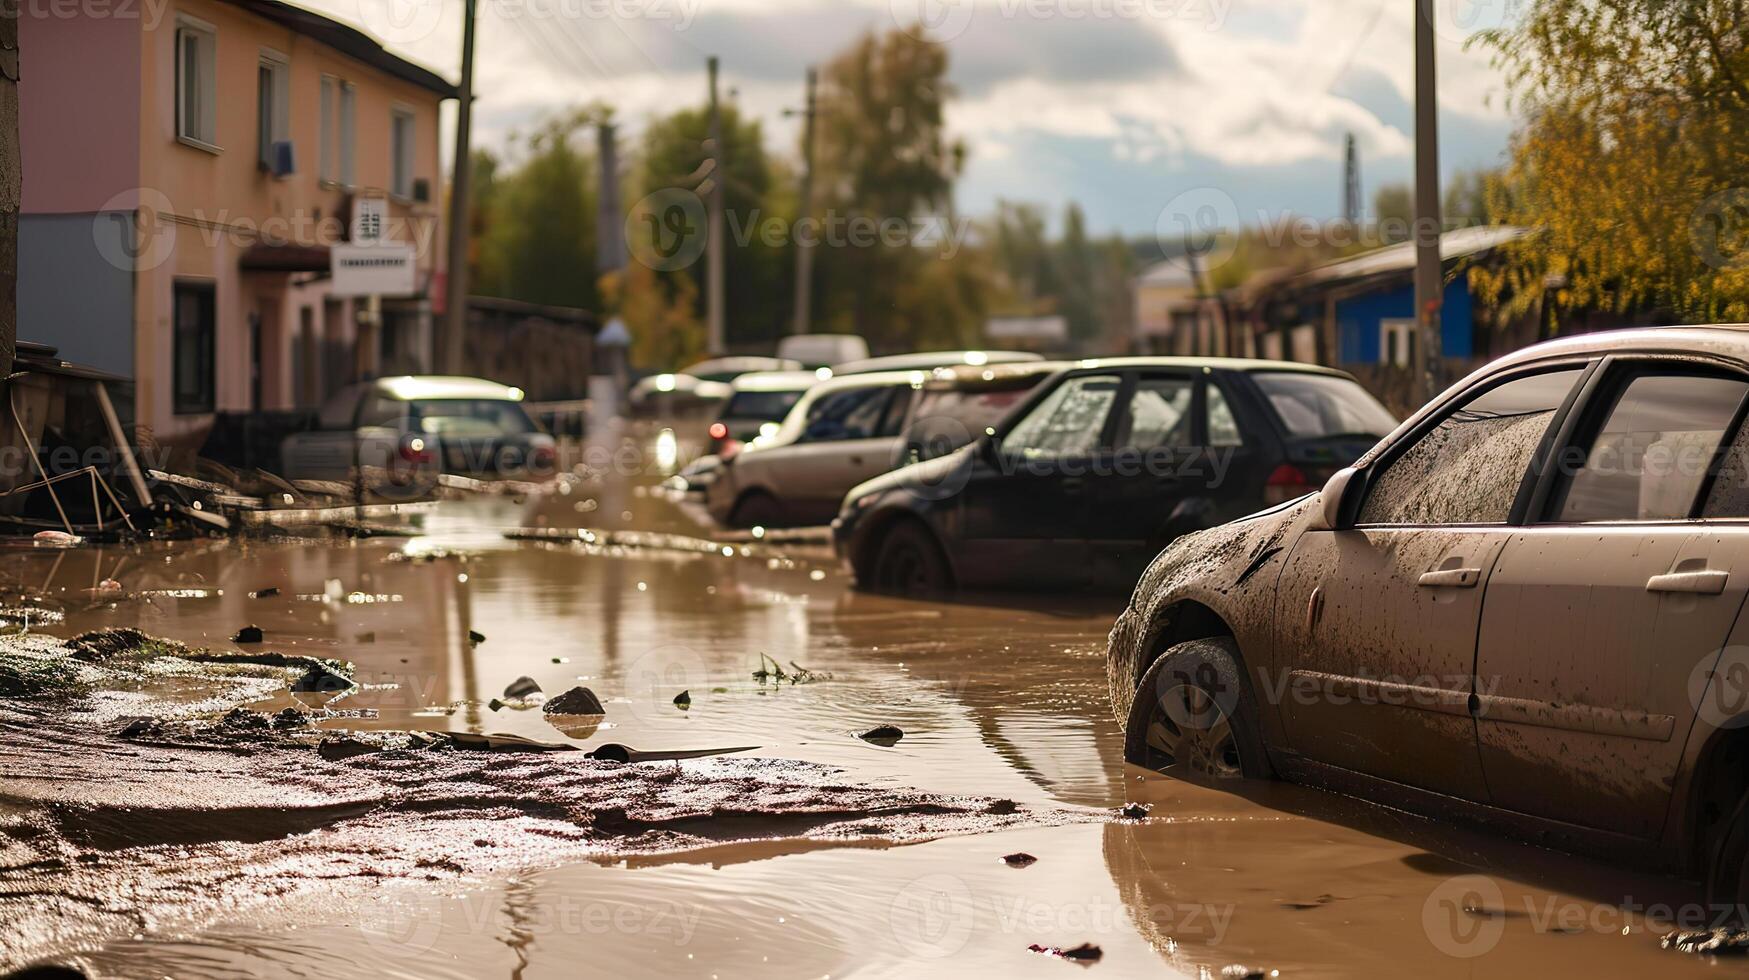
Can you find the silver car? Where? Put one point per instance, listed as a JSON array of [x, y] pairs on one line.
[[406, 429]]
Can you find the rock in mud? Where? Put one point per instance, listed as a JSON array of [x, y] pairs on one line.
[[521, 688], [249, 634], [683, 700], [1019, 859], [576, 701], [1085, 954], [98, 646], [1717, 942], [1135, 811], [886, 736], [343, 747], [475, 638]]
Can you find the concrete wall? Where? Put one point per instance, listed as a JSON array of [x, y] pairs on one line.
[[70, 294]]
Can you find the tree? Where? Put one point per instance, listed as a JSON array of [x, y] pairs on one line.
[[660, 311], [1076, 264], [539, 241], [1393, 208], [1630, 159]]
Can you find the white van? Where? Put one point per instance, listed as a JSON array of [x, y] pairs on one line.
[[817, 350]]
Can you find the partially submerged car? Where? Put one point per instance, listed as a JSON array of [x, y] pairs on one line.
[[1082, 485], [408, 427], [756, 406], [1524, 606], [846, 430]]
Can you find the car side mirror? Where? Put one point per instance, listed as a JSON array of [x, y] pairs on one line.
[[1333, 512]]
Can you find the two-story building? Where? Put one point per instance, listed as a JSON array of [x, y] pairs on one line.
[[191, 169]]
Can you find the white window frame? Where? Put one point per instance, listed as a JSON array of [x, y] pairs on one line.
[[401, 174], [278, 105], [1403, 328], [202, 129]]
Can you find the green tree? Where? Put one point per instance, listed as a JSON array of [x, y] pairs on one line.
[[1631, 158], [1077, 265], [539, 238], [1393, 209]]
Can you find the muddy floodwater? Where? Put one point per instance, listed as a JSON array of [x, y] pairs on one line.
[[814, 853]]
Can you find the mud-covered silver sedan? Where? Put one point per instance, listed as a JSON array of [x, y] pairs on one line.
[[1522, 607]]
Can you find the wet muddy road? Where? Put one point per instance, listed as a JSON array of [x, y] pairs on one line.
[[999, 699]]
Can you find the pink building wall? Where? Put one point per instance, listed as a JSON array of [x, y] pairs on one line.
[[78, 117]]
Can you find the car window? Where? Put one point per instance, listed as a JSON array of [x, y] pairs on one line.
[[1223, 427], [1468, 469], [1068, 421], [1313, 406], [893, 422], [1652, 454], [465, 417], [1159, 414], [769, 406], [851, 414]]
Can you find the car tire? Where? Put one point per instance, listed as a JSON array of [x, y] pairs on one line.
[[758, 509], [908, 562], [1194, 715], [1727, 883]]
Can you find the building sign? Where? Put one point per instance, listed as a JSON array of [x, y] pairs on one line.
[[370, 219], [373, 270]]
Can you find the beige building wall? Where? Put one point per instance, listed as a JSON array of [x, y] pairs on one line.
[[213, 204]]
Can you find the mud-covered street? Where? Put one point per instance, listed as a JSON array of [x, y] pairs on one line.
[[147, 830]]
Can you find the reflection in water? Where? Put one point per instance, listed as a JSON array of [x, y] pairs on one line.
[[999, 697]]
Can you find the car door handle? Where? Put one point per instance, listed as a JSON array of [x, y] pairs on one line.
[[1450, 578], [1704, 582]]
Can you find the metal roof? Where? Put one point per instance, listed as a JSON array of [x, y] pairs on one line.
[[1400, 257]]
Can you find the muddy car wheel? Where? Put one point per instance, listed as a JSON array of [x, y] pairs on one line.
[[1728, 872], [909, 562], [1193, 715], [758, 509]]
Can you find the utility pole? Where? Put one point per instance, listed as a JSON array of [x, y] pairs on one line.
[[1429, 281], [455, 306], [1350, 183], [714, 245], [610, 244], [805, 250], [11, 192]]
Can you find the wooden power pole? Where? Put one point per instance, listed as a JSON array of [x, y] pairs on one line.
[[450, 352], [714, 244], [805, 210], [1429, 281], [11, 190]]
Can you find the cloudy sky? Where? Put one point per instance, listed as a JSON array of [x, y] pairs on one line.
[[1123, 105]]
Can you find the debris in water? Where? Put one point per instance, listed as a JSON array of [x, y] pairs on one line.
[[1135, 811], [249, 634], [1239, 971], [776, 674], [475, 638], [266, 593], [521, 689], [1085, 954], [368, 636], [883, 735], [55, 539], [109, 585], [1019, 859], [1721, 941], [344, 747], [615, 752], [683, 700], [576, 701]]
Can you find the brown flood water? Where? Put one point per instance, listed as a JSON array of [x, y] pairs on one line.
[[996, 698]]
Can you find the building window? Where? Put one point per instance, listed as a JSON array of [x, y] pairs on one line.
[[1396, 341], [193, 348], [336, 136], [273, 103], [402, 153], [196, 86]]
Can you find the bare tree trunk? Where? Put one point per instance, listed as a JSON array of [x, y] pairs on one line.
[[11, 190]]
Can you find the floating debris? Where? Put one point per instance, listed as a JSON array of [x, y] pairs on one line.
[[576, 701], [522, 689], [775, 673], [267, 593], [683, 700], [475, 638], [56, 539], [1019, 859], [1135, 811], [249, 634], [1717, 942], [883, 735], [1085, 954]]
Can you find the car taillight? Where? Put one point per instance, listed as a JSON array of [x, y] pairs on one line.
[[414, 450], [542, 458], [729, 450], [1286, 483], [719, 430]]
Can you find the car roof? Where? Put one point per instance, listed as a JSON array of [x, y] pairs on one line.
[[739, 363], [775, 381], [924, 360], [969, 377], [425, 387], [1721, 339], [1246, 364]]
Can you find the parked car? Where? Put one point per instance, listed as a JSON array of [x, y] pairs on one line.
[[818, 350], [675, 393], [846, 430], [409, 427], [1525, 606], [1085, 483], [756, 406], [929, 360], [729, 368]]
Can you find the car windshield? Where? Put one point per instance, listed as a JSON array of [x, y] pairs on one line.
[[947, 419], [767, 406], [1314, 406], [470, 417]]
